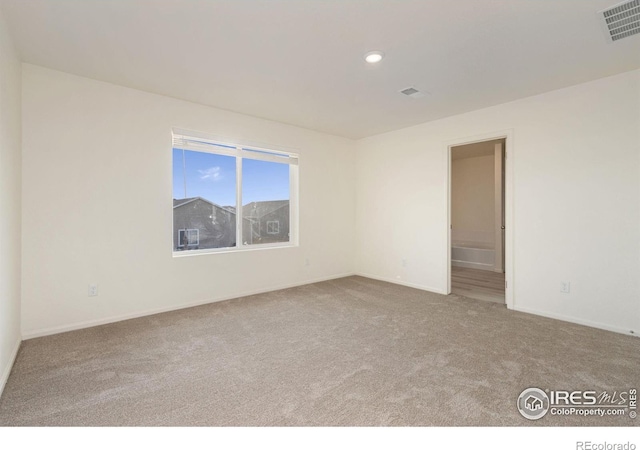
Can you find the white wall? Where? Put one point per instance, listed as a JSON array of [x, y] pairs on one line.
[[576, 156], [10, 231], [97, 205], [473, 200]]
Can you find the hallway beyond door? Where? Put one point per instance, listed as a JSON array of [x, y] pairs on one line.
[[478, 284]]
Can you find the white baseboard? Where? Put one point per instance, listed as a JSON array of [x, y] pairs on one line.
[[587, 323], [7, 370], [563, 318], [93, 323], [149, 312], [402, 283]]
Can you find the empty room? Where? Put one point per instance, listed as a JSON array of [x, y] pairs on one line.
[[273, 213]]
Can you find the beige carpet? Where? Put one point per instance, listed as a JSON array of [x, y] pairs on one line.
[[347, 352]]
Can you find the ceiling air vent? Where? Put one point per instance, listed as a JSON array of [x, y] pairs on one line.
[[413, 92], [622, 20]]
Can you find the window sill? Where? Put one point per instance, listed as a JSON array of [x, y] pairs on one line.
[[242, 249]]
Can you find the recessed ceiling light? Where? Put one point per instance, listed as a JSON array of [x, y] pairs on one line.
[[373, 57]]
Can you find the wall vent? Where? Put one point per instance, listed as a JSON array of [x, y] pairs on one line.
[[622, 20], [413, 92]]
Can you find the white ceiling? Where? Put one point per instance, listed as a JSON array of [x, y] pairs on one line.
[[301, 61]]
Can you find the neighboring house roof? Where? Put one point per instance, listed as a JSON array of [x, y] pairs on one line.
[[185, 201], [259, 209], [253, 209]]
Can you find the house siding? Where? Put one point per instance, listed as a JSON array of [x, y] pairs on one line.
[[216, 226], [259, 214]]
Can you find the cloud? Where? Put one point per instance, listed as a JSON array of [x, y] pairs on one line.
[[211, 174]]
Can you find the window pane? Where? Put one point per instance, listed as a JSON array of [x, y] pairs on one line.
[[204, 199], [265, 198]]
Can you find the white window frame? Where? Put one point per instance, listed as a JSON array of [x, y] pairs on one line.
[[188, 231], [273, 222], [201, 142]]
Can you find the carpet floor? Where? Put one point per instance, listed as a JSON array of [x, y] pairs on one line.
[[348, 352]]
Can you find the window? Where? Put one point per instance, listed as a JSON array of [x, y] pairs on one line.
[[273, 227], [188, 238], [232, 197]]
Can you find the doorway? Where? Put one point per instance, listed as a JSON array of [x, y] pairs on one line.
[[477, 244]]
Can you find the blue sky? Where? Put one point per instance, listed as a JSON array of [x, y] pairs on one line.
[[214, 177]]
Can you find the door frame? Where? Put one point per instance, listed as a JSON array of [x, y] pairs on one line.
[[509, 204], [499, 150]]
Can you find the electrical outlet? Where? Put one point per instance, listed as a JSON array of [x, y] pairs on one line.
[[307, 262], [93, 290], [404, 262], [565, 287]]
